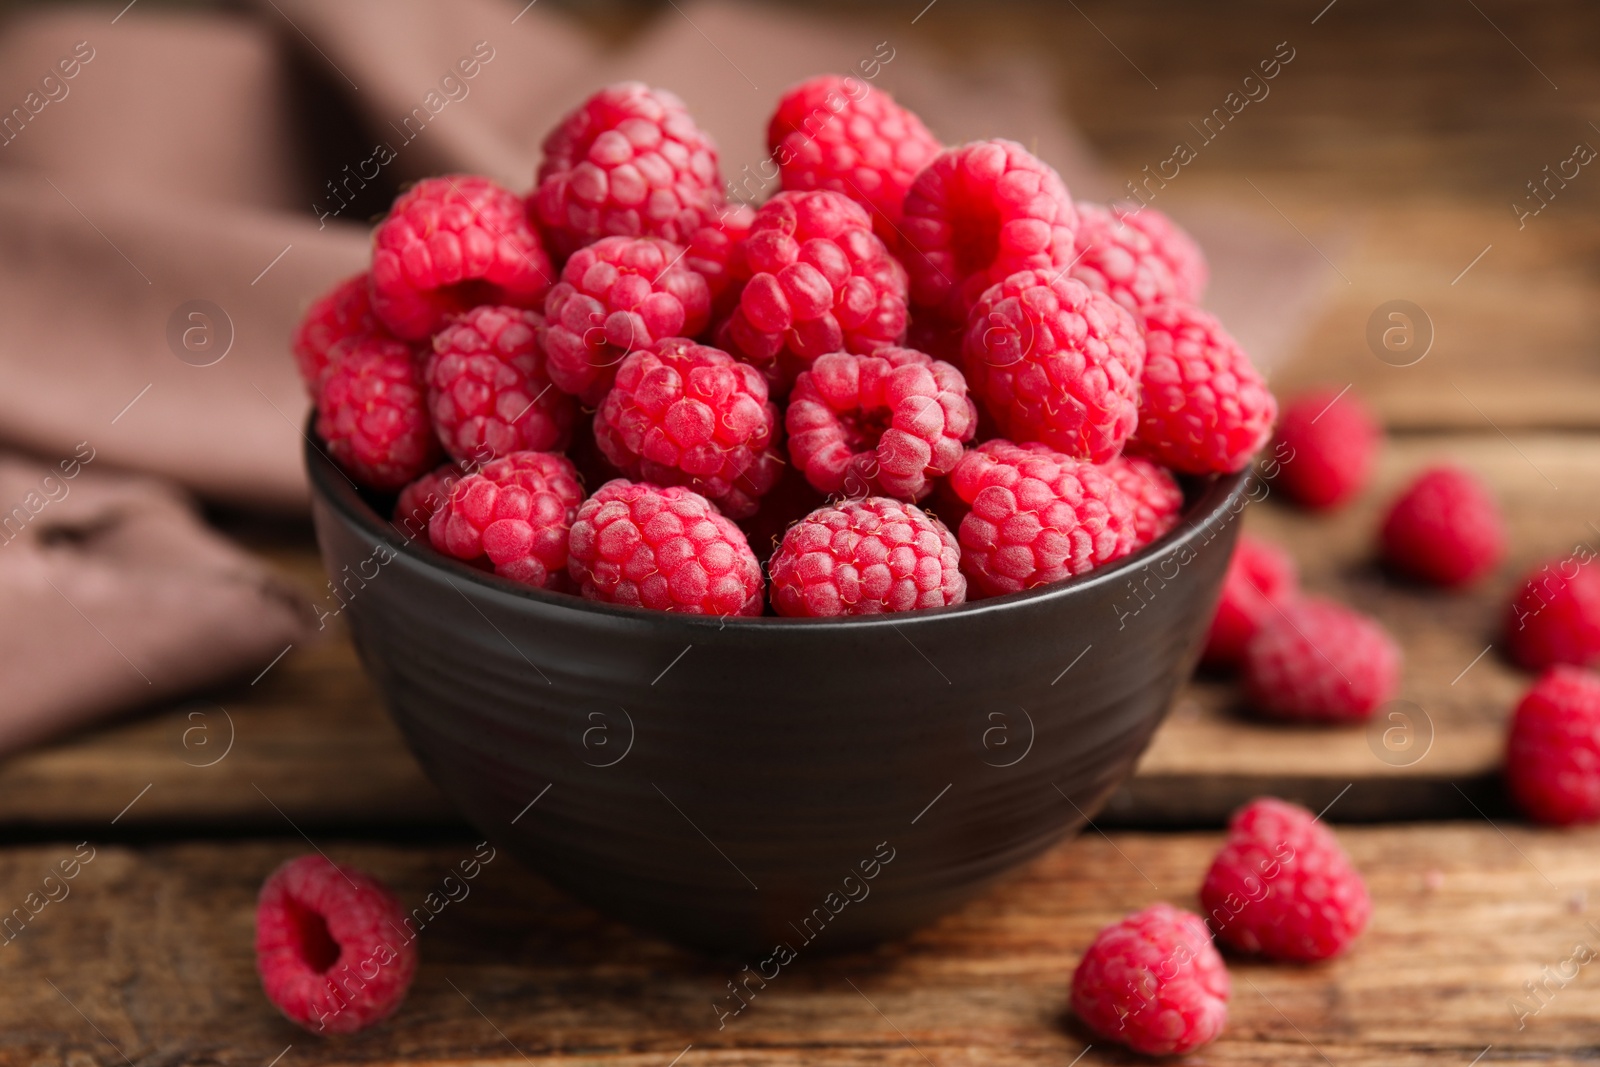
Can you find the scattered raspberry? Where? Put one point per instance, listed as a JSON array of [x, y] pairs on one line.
[[516, 511], [815, 280], [1282, 887], [1553, 754], [1056, 362], [419, 500], [1157, 498], [1260, 575], [1332, 443], [1319, 661], [688, 414], [839, 133], [1037, 516], [665, 549], [488, 390], [866, 557], [1555, 614], [629, 162], [711, 253], [616, 296], [1154, 982], [978, 214], [322, 929], [1206, 409], [372, 413], [342, 312], [890, 422], [1445, 528], [448, 245]]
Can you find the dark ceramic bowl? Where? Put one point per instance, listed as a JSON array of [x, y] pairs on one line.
[[740, 784]]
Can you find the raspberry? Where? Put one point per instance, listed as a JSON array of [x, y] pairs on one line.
[[890, 422], [419, 500], [1445, 528], [343, 312], [1555, 614], [1037, 516], [628, 162], [1154, 982], [978, 214], [618, 295], [1318, 661], [1260, 575], [1137, 256], [839, 133], [450, 244], [1056, 362], [1205, 409], [711, 254], [1156, 496], [815, 279], [320, 929], [866, 557], [488, 390], [1553, 753], [664, 549], [516, 512], [1332, 443], [372, 413], [688, 414], [1282, 887]]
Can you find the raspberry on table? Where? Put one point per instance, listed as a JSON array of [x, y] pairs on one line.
[[1154, 982], [890, 422], [1554, 615], [688, 414], [616, 296], [1137, 256], [1156, 496], [342, 312], [448, 245], [664, 549], [1206, 409], [1444, 528], [1331, 440], [488, 390], [516, 512], [1282, 887], [322, 929], [1553, 752], [814, 279], [977, 214], [866, 557], [711, 253], [840, 133], [372, 413], [1317, 661], [419, 500], [1036, 516], [629, 162], [1260, 575], [1054, 361]]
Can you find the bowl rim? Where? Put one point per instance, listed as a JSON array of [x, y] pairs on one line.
[[1216, 498]]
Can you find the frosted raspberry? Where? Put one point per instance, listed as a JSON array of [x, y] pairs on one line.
[[616, 296], [1154, 982], [688, 414], [1053, 361], [1155, 494], [1319, 661], [1137, 256], [815, 279], [1205, 408], [515, 512], [1553, 754], [866, 557], [1330, 443], [839, 133], [711, 255], [419, 500], [1260, 575], [665, 549], [1282, 887], [628, 162], [448, 245], [342, 312], [1444, 528], [1555, 614], [372, 413], [890, 422], [1037, 516]]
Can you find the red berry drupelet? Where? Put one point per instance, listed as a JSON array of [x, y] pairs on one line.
[[1261, 578], [345, 311], [1156, 496], [488, 390], [1206, 409], [1553, 753], [1445, 528], [1555, 614], [1153, 982], [688, 414], [322, 929], [890, 422], [372, 413], [711, 254], [1053, 361], [1281, 886], [1137, 256], [866, 557], [1329, 443], [418, 501], [515, 512], [448, 245], [1317, 661], [665, 549]]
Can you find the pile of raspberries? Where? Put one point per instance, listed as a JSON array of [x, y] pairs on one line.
[[903, 324]]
